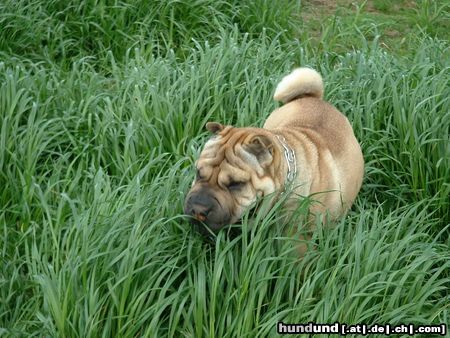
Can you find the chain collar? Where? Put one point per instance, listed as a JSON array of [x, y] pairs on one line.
[[289, 155]]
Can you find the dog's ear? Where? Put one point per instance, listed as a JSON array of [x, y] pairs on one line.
[[214, 127], [262, 147]]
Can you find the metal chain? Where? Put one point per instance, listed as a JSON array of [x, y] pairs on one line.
[[289, 154]]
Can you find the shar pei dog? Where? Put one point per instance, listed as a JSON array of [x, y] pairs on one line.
[[306, 144]]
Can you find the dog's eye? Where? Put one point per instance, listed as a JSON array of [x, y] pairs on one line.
[[197, 175], [235, 185]]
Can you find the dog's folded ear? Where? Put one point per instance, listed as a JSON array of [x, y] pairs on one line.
[[214, 127], [262, 147]]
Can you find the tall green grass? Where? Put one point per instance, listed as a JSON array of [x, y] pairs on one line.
[[96, 156], [60, 30]]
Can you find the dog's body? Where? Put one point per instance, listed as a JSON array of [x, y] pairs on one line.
[[306, 143]]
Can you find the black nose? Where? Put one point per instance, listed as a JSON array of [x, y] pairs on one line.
[[199, 206], [200, 212]]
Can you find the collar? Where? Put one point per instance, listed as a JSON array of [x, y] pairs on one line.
[[289, 155]]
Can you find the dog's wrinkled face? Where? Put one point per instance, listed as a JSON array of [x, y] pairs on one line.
[[235, 167]]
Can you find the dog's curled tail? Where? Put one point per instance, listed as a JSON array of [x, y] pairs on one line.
[[301, 82]]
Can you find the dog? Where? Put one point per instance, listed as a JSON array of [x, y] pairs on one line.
[[306, 144]]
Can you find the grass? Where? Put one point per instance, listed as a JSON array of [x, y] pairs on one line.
[[398, 25], [102, 111]]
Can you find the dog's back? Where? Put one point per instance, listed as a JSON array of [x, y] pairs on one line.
[[325, 135]]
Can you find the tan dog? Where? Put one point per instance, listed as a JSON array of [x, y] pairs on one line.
[[306, 143]]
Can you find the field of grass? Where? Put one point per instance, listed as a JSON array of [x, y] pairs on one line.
[[102, 113]]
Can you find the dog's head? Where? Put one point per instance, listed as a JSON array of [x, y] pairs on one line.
[[235, 168]]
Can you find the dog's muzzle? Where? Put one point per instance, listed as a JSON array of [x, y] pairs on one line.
[[204, 208]]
